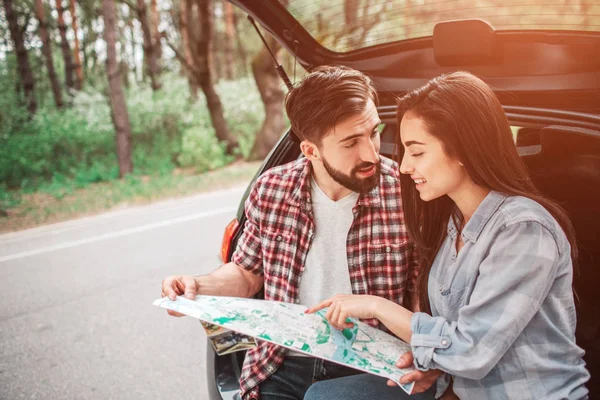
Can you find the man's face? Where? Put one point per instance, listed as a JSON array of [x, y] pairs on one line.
[[350, 151]]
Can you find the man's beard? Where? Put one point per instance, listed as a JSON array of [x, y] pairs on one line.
[[352, 181]]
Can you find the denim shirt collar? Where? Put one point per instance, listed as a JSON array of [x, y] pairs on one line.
[[480, 218]]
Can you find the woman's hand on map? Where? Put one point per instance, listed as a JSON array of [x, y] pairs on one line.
[[343, 306], [423, 379]]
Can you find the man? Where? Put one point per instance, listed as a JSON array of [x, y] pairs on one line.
[[328, 223]]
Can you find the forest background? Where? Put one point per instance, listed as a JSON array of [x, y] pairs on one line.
[[111, 102]]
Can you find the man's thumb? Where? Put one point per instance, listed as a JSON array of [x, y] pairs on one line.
[[190, 288]]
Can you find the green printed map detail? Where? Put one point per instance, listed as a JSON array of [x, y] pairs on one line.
[[223, 320]]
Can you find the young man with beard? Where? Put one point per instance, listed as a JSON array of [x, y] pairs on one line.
[[330, 222]]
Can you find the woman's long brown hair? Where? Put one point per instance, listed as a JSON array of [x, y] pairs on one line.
[[463, 112]]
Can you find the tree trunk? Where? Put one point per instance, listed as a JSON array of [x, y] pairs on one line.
[[91, 64], [88, 44], [76, 52], [47, 51], [269, 85], [84, 52], [25, 73], [185, 9], [133, 47], [230, 37], [122, 54], [203, 55], [155, 21], [149, 47], [119, 112], [64, 44], [216, 64], [240, 46]]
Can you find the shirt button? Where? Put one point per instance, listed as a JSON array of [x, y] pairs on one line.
[[354, 210], [388, 249], [444, 342], [441, 288], [270, 368], [279, 238]]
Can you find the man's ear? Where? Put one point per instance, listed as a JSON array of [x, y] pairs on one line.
[[310, 150]]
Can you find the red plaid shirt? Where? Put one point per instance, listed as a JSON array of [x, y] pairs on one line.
[[278, 234]]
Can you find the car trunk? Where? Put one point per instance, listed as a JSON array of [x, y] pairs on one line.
[[548, 81]]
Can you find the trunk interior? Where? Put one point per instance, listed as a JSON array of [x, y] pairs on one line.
[[562, 152]]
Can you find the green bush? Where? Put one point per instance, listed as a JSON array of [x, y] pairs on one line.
[[202, 151], [59, 150]]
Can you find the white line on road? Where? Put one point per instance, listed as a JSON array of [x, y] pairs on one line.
[[120, 233], [165, 205]]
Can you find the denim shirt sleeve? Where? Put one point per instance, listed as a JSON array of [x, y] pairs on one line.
[[514, 279]]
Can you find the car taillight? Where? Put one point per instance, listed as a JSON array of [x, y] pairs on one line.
[[230, 230]]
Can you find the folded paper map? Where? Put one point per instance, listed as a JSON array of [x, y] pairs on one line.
[[361, 347], [226, 341]]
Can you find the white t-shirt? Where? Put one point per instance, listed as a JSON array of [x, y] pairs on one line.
[[326, 266]]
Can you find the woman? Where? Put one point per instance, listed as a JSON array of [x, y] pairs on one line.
[[498, 314]]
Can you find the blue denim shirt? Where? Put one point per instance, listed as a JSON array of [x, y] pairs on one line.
[[503, 316]]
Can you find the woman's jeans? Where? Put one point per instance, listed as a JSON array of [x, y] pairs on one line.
[[361, 387], [297, 374]]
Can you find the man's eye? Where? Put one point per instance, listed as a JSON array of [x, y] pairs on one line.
[[349, 145], [374, 133], [417, 154]]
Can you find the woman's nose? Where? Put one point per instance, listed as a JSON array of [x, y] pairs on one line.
[[405, 167]]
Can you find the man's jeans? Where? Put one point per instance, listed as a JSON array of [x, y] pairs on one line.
[[296, 374]]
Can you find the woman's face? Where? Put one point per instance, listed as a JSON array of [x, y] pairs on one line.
[[433, 172]]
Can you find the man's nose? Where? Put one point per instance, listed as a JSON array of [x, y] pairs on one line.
[[370, 153]]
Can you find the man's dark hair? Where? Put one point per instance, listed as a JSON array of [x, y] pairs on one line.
[[326, 97]]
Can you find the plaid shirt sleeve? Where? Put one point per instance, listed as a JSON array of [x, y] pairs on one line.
[[248, 253]]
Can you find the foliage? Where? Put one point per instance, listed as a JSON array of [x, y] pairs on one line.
[[59, 151], [28, 210]]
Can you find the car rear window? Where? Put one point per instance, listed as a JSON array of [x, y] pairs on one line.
[[346, 25]]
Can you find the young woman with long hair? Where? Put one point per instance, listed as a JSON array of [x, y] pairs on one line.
[[497, 311]]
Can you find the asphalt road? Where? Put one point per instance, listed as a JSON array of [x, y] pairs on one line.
[[76, 314]]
